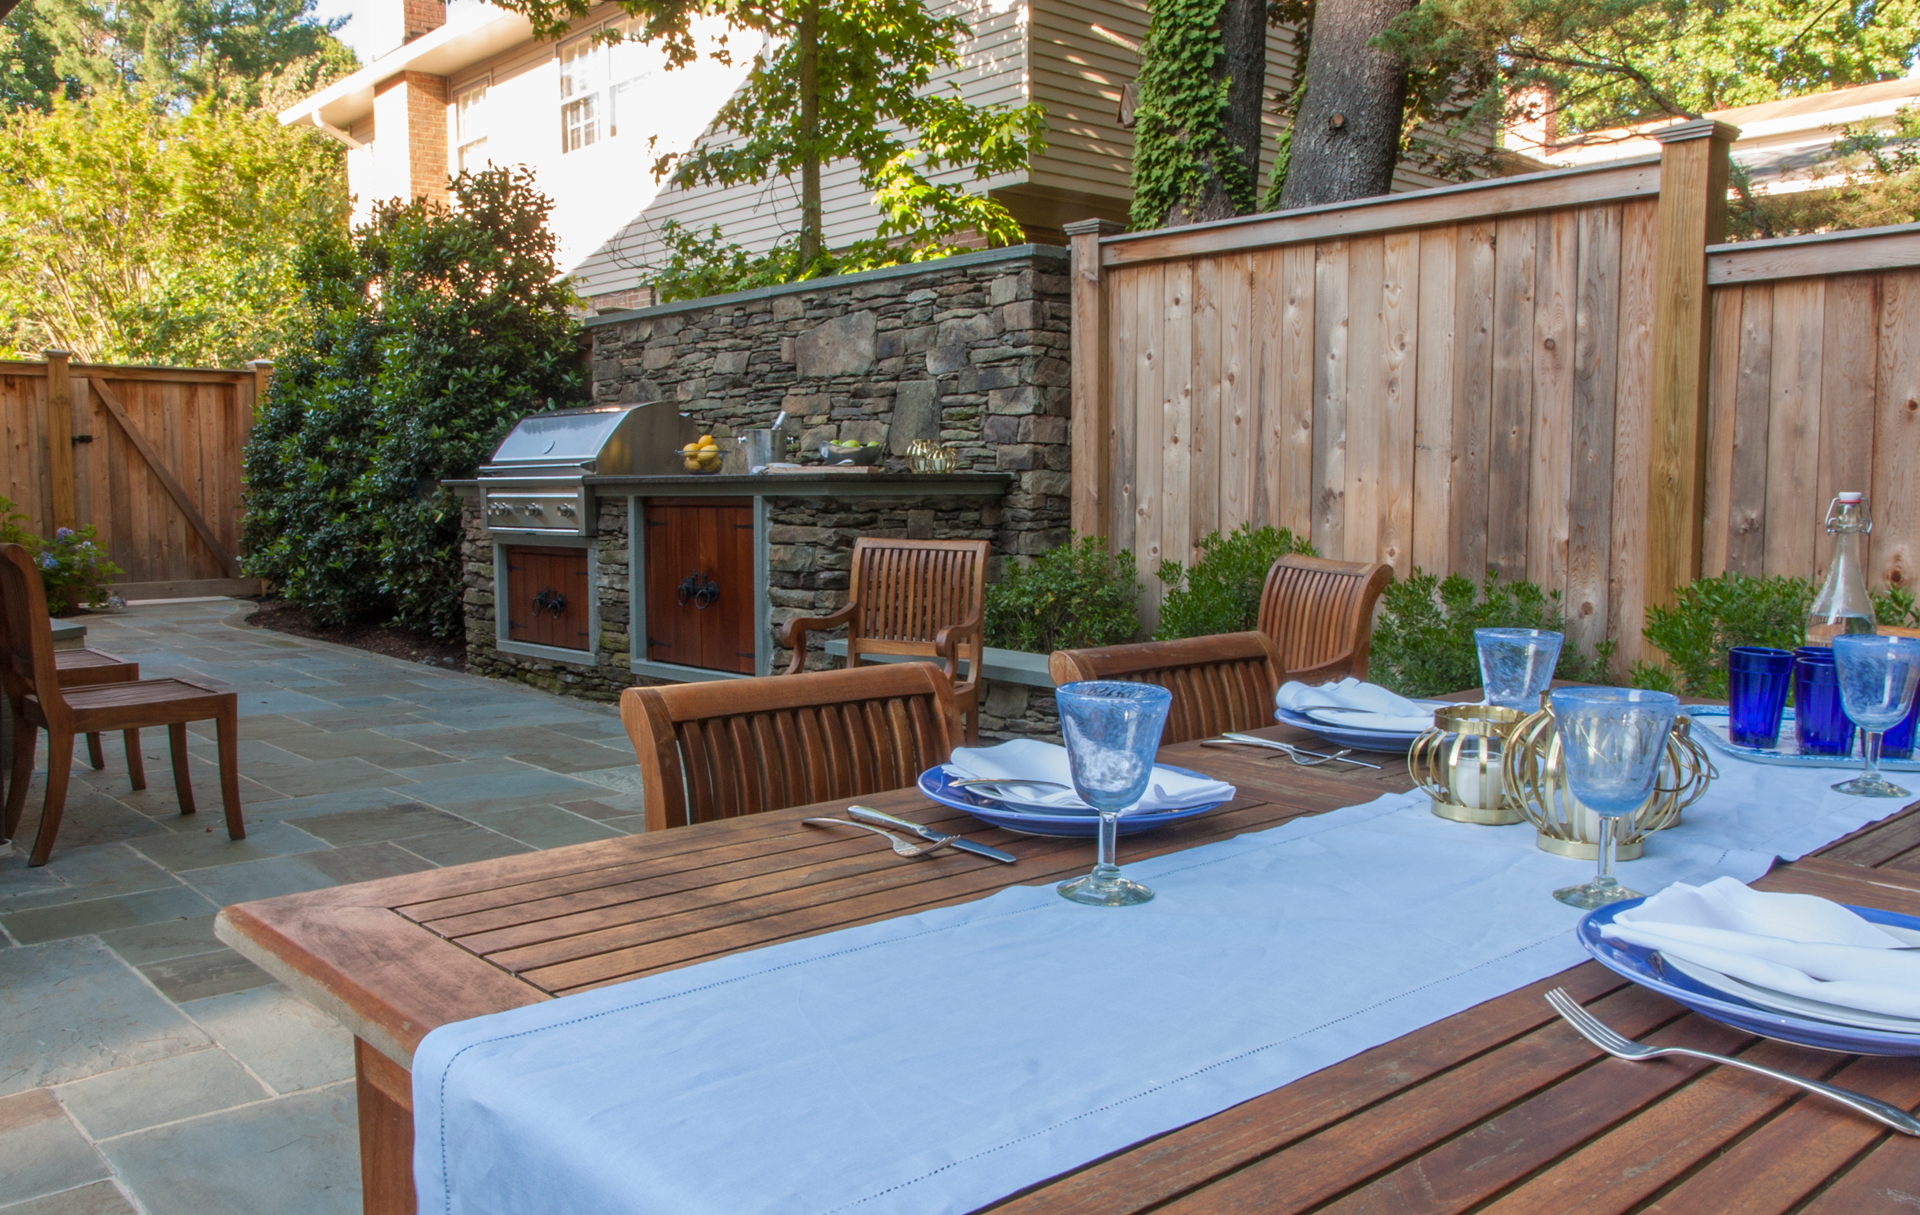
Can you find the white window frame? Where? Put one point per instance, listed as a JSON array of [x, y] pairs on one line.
[[465, 140], [592, 114]]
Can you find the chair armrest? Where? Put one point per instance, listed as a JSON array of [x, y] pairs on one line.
[[793, 634], [946, 643], [1333, 668]]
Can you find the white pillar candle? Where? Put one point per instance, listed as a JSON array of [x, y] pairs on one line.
[[1470, 785]]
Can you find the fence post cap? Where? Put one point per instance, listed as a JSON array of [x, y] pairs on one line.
[[51, 354], [1698, 128], [260, 364], [1093, 227]]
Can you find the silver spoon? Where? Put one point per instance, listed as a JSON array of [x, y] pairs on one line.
[[900, 846]]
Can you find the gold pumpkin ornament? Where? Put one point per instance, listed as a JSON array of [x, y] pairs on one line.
[[1536, 782], [926, 456], [1460, 764]]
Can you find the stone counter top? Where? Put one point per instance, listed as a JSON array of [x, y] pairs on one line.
[[808, 485]]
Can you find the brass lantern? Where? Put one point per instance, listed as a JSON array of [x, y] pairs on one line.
[[1536, 781], [1461, 764]]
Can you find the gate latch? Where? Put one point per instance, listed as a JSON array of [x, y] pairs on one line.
[[549, 600], [698, 589]]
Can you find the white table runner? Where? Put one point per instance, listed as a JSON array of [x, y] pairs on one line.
[[936, 1062]]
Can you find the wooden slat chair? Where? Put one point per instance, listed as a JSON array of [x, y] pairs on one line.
[[1319, 614], [85, 669], [717, 750], [1219, 683], [42, 704], [918, 597]]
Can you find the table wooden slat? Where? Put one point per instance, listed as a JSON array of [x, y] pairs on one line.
[[1501, 1108]]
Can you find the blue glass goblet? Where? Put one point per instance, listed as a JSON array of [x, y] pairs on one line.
[[1612, 741], [1877, 680], [1113, 732], [1516, 665]]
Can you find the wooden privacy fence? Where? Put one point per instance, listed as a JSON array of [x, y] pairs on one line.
[[151, 456], [1549, 376]]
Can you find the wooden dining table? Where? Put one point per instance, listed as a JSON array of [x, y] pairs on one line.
[[1501, 1108]]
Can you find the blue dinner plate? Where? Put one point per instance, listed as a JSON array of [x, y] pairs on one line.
[[1395, 742], [937, 785], [1636, 964]]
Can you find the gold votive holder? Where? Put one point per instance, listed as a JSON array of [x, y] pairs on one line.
[[926, 456], [1460, 764], [1536, 781]]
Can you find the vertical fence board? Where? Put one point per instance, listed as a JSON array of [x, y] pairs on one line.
[[1472, 398], [1793, 426], [1511, 430], [1330, 323], [1367, 349], [1237, 421], [1123, 306], [1633, 417], [1176, 416], [1400, 314], [1150, 447], [1752, 409], [1849, 362], [1723, 377], [1896, 435], [1298, 263], [1590, 423], [1269, 415], [1433, 451], [1557, 269], [1207, 390]]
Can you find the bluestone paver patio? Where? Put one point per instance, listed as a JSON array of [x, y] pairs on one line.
[[146, 1067]]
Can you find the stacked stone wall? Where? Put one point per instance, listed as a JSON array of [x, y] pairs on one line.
[[972, 351]]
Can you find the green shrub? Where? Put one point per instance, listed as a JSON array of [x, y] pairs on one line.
[[73, 567], [423, 336], [1221, 593], [1711, 616], [1076, 596], [1423, 644], [1895, 606]]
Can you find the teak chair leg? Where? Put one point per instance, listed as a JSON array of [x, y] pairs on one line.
[[136, 763], [182, 779], [59, 768], [95, 756], [25, 738], [227, 724]]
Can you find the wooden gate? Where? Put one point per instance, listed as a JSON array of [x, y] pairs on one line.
[[150, 456]]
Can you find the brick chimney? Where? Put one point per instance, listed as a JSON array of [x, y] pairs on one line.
[[398, 22]]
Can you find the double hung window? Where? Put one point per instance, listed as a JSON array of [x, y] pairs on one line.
[[600, 85], [470, 128]]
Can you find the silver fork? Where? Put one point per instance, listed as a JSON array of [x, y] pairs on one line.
[[1593, 1030], [900, 846], [1306, 759]]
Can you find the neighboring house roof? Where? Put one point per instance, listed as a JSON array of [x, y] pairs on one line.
[[1781, 143]]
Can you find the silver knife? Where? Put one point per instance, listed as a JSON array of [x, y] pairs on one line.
[[870, 815]]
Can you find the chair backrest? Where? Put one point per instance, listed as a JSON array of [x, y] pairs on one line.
[[26, 634], [1219, 683], [906, 591], [745, 746], [1319, 614]]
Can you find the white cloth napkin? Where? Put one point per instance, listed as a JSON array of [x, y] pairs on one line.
[[1166, 789], [1378, 709], [1793, 943]]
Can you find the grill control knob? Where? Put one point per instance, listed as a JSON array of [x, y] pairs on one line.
[[566, 508], [533, 508]]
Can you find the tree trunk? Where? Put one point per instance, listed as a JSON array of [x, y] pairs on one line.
[[1243, 64], [1346, 137], [809, 41]]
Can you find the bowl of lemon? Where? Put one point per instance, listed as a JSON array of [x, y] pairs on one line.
[[702, 456]]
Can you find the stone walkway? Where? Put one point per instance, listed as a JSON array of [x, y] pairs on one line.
[[146, 1067]]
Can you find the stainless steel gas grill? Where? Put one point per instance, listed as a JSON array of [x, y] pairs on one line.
[[536, 482]]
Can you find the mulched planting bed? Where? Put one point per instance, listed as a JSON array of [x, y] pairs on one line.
[[390, 640]]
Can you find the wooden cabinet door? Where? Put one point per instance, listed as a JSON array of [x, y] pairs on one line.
[[699, 583], [548, 599]]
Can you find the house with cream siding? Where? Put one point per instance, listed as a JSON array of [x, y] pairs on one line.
[[476, 87]]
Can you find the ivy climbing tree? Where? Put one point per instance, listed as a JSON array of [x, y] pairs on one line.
[[1196, 139]]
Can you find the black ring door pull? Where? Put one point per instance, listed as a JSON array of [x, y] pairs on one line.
[[701, 590], [549, 600]]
